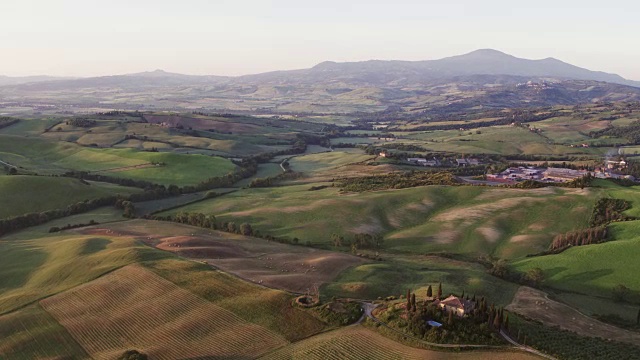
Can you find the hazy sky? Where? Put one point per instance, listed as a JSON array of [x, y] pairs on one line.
[[89, 37]]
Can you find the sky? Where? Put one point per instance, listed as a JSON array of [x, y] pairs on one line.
[[221, 37]]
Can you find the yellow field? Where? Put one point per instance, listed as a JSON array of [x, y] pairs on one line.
[[357, 342], [132, 308]]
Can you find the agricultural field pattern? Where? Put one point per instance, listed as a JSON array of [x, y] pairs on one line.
[[324, 213]]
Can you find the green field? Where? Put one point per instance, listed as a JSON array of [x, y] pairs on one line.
[[594, 269], [396, 274], [505, 223], [28, 194], [40, 156]]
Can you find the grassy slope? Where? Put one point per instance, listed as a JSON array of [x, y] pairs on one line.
[[38, 155], [34, 268], [27, 194], [416, 220], [398, 273], [594, 269]]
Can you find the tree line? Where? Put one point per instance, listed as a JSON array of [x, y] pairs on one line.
[[396, 181], [6, 121], [32, 219], [208, 221]]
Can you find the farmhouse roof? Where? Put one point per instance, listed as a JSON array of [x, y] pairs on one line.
[[453, 301]]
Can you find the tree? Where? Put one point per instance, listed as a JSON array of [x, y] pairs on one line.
[[506, 322], [133, 355], [429, 292], [620, 292], [408, 300], [439, 290], [245, 229], [638, 318], [497, 322], [13, 171], [231, 227], [413, 302], [450, 319], [535, 277], [337, 240]]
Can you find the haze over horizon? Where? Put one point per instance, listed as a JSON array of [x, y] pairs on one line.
[[89, 38]]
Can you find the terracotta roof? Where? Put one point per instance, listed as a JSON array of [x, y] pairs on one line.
[[453, 301]]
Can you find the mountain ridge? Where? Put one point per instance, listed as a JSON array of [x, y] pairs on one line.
[[478, 62]]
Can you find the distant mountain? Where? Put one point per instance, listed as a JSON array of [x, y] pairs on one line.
[[482, 78], [8, 80], [135, 82], [479, 62]]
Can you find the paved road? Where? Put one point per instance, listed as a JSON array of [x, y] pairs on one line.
[[368, 312]]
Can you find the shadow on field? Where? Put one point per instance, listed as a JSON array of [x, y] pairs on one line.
[[94, 245]]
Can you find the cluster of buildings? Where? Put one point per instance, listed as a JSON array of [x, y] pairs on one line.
[[468, 162], [435, 162], [551, 174], [424, 162], [522, 173]]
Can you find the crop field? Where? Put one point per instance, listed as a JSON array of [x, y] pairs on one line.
[[35, 266], [28, 194], [594, 269], [396, 274], [31, 333], [292, 268], [327, 161], [274, 311], [504, 222], [358, 342], [536, 305], [160, 319], [494, 140]]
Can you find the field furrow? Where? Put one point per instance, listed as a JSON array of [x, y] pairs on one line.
[[132, 308]]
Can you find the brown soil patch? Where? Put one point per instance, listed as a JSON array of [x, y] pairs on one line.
[[287, 267], [535, 304], [490, 234], [522, 238], [472, 213]]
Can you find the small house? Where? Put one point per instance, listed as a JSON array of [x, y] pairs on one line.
[[456, 305]]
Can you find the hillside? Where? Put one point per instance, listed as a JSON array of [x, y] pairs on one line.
[[487, 78]]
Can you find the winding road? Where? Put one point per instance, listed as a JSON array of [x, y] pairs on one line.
[[368, 312]]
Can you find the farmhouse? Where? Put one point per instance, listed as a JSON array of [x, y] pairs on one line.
[[468, 162], [424, 162], [562, 175], [456, 305]]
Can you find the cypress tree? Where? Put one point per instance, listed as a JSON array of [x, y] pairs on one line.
[[506, 322], [638, 318], [497, 322], [413, 302], [439, 290], [450, 320], [429, 292], [408, 300], [462, 296]]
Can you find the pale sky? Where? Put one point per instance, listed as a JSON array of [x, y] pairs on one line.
[[223, 37]]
